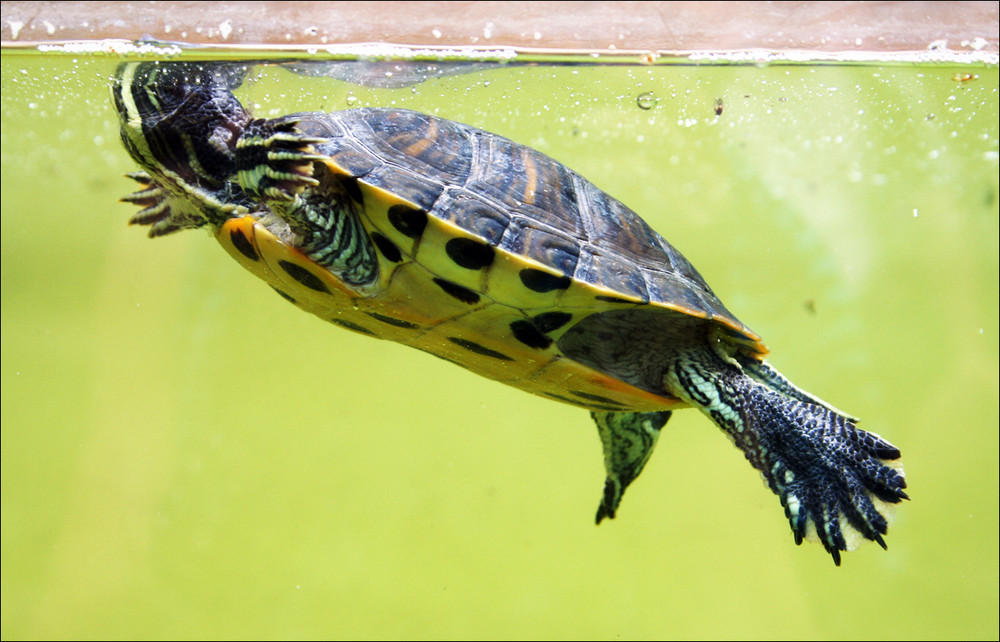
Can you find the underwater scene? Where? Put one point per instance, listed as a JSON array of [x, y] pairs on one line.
[[184, 453]]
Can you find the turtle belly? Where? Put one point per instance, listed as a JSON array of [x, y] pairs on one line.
[[456, 323]]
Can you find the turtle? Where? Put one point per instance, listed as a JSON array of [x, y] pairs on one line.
[[489, 254]]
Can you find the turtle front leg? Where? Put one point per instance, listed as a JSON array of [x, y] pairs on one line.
[[162, 212], [628, 439], [274, 161], [280, 165]]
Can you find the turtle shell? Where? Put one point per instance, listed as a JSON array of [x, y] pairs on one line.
[[490, 255]]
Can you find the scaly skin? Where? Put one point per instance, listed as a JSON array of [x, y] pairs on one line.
[[832, 477]]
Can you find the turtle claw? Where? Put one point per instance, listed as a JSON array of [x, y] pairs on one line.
[[140, 177], [155, 203], [847, 491], [609, 502], [274, 161], [881, 542]]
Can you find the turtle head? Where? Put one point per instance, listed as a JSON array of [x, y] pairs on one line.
[[180, 122], [181, 119]]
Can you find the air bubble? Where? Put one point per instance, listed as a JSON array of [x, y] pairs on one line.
[[646, 100]]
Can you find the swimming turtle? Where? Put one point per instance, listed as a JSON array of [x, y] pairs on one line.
[[491, 255]]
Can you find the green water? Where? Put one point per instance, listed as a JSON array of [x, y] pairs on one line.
[[185, 454]]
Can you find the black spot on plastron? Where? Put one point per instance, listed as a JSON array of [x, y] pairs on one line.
[[387, 248], [472, 255], [399, 323], [460, 292], [597, 398], [303, 276], [549, 321], [472, 346], [353, 190], [283, 295], [601, 406], [407, 220], [576, 402], [553, 395], [614, 299], [528, 334], [540, 281], [243, 244], [353, 326]]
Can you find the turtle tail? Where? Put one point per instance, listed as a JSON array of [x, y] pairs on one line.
[[834, 480], [628, 439]]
